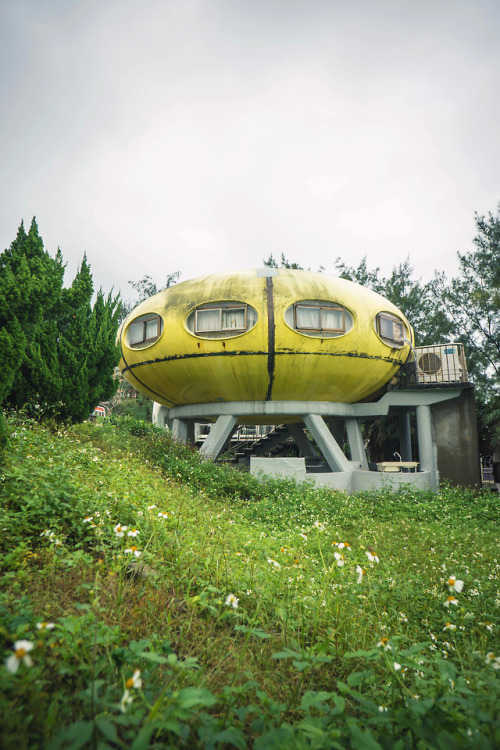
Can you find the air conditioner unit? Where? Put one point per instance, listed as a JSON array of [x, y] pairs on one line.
[[441, 364]]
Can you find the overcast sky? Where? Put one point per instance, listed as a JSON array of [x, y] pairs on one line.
[[201, 135]]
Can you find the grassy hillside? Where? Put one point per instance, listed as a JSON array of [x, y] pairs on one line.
[[153, 600]]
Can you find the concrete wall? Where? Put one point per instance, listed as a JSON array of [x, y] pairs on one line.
[[365, 481], [293, 468], [454, 433]]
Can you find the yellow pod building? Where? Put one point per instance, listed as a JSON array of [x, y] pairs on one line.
[[263, 335]]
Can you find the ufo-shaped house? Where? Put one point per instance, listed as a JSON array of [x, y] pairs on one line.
[[276, 346], [263, 335]]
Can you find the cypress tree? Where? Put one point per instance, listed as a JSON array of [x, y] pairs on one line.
[[56, 349]]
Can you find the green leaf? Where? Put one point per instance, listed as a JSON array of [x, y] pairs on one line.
[[363, 740], [142, 740], [315, 699], [108, 729], [356, 678], [257, 632], [339, 702], [191, 697], [155, 658], [73, 737], [232, 736], [362, 653], [286, 654]]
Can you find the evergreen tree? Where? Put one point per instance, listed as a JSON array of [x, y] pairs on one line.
[[473, 301], [30, 283], [65, 346]]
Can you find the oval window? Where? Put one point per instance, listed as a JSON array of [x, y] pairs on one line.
[[317, 318], [221, 319], [144, 330], [391, 329]]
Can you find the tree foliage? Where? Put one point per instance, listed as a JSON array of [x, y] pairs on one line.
[[57, 348], [145, 288], [473, 301], [271, 262], [415, 299]]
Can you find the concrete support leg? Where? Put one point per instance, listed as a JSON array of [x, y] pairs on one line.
[[356, 444], [218, 435], [183, 430], [426, 449], [405, 436], [161, 416], [327, 444], [306, 448]]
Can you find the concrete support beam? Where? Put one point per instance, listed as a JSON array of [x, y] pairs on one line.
[[219, 433], [276, 410], [426, 448], [356, 444], [327, 444], [306, 448]]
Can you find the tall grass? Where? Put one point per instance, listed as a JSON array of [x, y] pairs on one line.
[[163, 601]]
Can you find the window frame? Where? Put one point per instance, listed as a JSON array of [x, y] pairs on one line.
[[322, 307], [221, 308], [143, 320], [394, 320]]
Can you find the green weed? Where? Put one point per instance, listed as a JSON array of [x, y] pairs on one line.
[[150, 599]]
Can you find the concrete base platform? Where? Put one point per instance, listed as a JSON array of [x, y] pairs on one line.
[[356, 480], [361, 481]]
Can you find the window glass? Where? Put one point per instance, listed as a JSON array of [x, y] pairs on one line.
[[316, 318], [391, 329], [145, 330], [208, 320], [332, 320], [307, 317], [135, 334], [234, 318], [151, 329], [221, 319]]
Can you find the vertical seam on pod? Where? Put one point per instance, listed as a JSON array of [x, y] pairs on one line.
[[271, 342]]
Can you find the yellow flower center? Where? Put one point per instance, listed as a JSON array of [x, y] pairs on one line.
[[20, 653], [384, 640], [129, 683]]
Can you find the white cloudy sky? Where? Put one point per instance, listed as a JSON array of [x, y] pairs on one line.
[[201, 135]]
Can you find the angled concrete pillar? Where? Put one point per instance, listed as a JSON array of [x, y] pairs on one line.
[[356, 444], [327, 444], [218, 435]]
